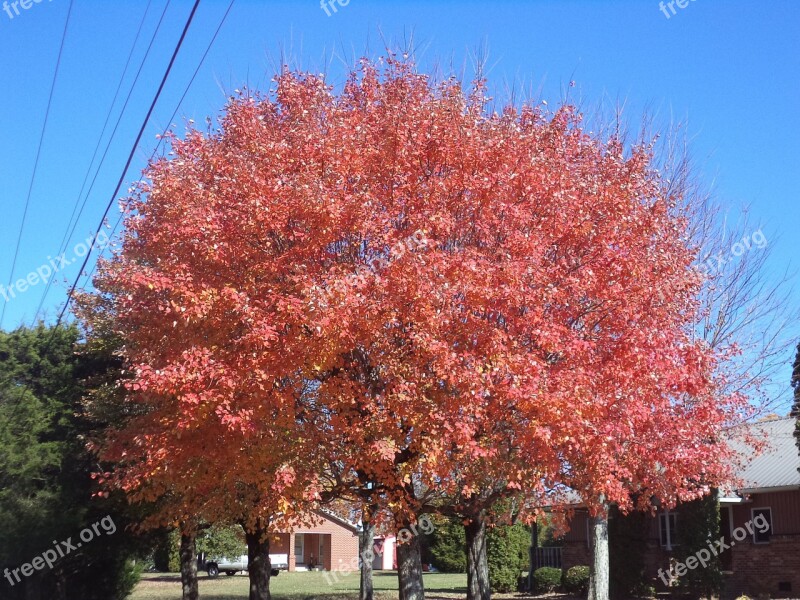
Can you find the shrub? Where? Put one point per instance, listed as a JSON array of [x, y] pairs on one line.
[[447, 546], [174, 564], [508, 555], [576, 580], [547, 579], [504, 579], [699, 522], [627, 548], [648, 591]]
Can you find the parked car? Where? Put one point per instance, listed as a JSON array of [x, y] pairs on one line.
[[231, 566]]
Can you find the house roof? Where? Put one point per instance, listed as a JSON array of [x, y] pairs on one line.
[[775, 467], [337, 519]]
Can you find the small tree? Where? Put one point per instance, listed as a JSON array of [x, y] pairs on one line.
[[699, 524], [508, 556], [220, 540], [448, 544], [627, 543], [46, 492]]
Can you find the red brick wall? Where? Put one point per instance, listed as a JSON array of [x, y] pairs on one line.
[[759, 568], [574, 544], [573, 554], [340, 545], [279, 544], [343, 550], [755, 568]]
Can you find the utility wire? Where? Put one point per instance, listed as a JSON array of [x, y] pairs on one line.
[[172, 117], [183, 35], [130, 158], [36, 160], [70, 229]]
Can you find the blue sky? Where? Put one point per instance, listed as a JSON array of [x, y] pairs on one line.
[[730, 69]]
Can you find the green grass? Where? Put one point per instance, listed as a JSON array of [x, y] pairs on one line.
[[301, 585]]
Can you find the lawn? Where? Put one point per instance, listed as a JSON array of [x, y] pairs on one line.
[[305, 585]]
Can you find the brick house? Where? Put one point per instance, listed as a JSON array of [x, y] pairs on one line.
[[330, 544], [756, 563]]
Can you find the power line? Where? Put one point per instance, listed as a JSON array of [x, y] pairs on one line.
[[130, 158], [172, 117], [36, 160], [205, 54], [64, 240], [70, 229]]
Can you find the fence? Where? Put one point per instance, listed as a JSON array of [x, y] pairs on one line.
[[549, 556]]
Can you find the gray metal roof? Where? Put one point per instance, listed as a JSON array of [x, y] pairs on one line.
[[777, 465]]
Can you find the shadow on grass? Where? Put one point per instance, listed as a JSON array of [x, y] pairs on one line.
[[439, 586], [167, 577]]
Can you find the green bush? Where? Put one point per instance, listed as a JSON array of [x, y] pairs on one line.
[[698, 522], [647, 591], [576, 580], [447, 546], [504, 579], [166, 556], [627, 548], [546, 579], [508, 556], [221, 540], [174, 564]]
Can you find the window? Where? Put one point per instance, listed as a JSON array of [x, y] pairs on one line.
[[762, 525], [667, 531], [299, 548]]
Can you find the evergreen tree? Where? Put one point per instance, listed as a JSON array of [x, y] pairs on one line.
[[45, 483], [627, 541], [699, 524], [508, 556], [448, 545]]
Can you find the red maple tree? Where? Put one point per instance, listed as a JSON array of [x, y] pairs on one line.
[[398, 284]]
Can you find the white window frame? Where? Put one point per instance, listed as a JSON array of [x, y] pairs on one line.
[[299, 558], [668, 543], [771, 523]]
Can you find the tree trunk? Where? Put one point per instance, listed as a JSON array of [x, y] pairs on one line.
[[534, 554], [599, 579], [478, 587], [188, 559], [61, 584], [409, 569], [259, 564], [366, 539], [32, 586]]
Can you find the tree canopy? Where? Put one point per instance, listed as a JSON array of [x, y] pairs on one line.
[[394, 284]]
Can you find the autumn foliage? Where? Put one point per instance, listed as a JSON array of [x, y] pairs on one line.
[[393, 280]]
